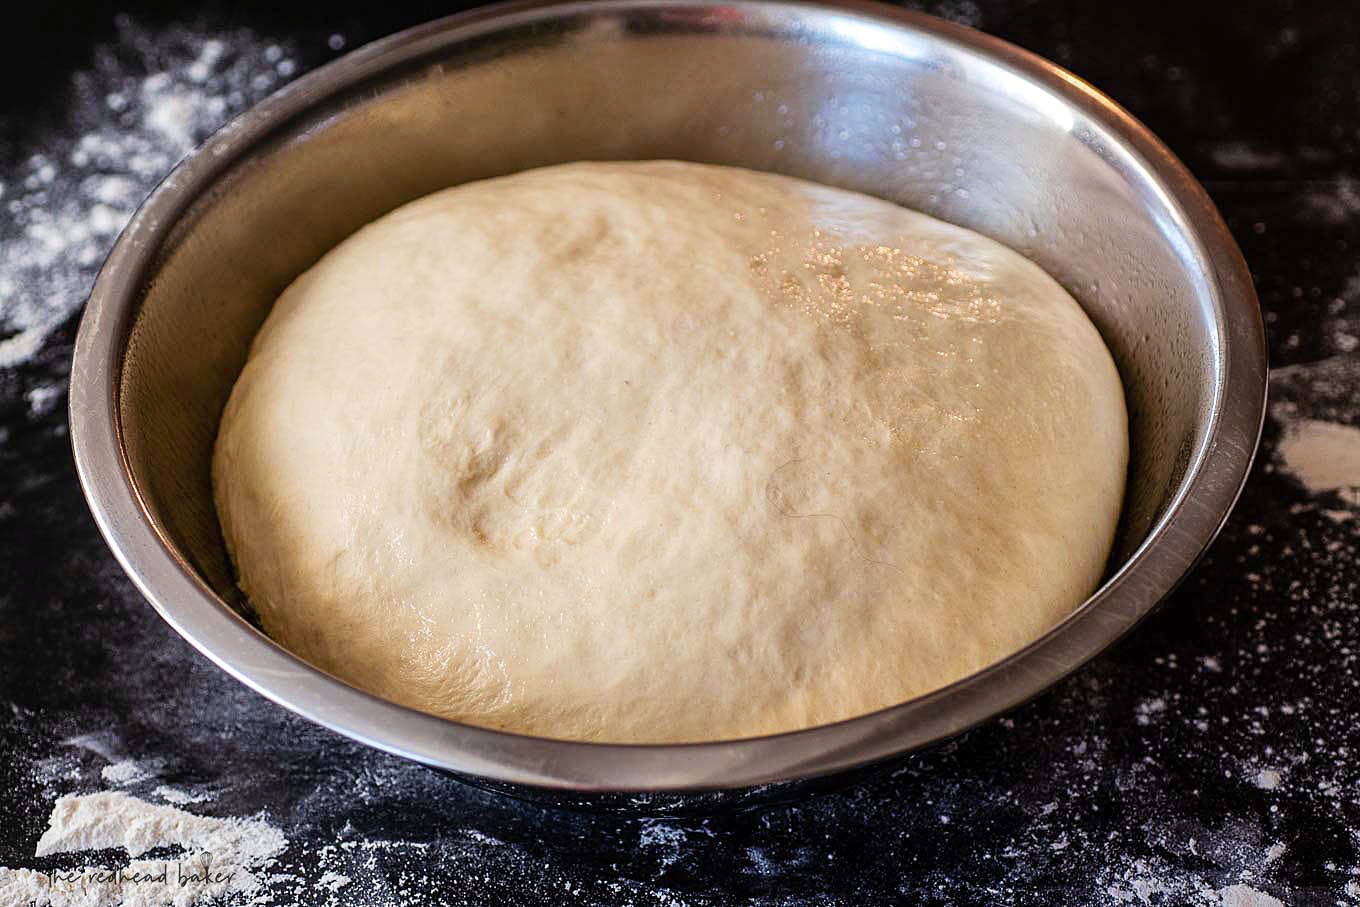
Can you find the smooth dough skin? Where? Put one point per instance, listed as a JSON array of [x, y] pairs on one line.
[[667, 452]]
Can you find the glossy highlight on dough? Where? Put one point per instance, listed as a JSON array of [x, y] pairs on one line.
[[660, 452]]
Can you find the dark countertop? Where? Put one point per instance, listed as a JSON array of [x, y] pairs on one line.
[[1211, 757]]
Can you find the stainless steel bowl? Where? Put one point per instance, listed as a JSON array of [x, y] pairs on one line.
[[928, 114]]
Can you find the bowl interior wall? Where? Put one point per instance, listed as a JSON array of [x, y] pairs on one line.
[[936, 129]]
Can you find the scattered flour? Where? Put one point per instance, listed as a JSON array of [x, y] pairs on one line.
[[178, 797], [333, 881], [219, 858], [1246, 896], [42, 399], [125, 772], [665, 840], [760, 862], [1318, 410], [1239, 156], [1323, 456], [1147, 712], [148, 98], [104, 745], [1335, 201]]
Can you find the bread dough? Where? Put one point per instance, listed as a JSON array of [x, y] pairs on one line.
[[667, 452]]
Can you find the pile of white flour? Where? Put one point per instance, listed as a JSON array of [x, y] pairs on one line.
[[1323, 456], [215, 858]]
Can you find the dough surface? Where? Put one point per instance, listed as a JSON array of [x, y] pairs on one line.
[[667, 452]]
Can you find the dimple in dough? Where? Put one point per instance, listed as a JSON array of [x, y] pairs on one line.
[[667, 452]]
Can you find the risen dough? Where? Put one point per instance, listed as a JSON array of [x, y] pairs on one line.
[[667, 452]]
